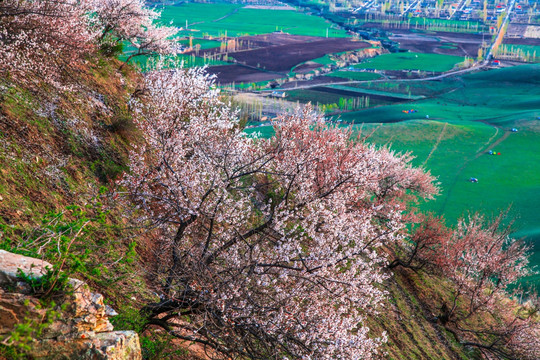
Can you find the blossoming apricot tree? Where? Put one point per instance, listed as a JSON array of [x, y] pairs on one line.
[[273, 243], [43, 40], [134, 22], [480, 261]]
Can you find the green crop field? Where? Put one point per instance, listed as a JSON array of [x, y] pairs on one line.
[[434, 24], [470, 117], [195, 13], [355, 75], [363, 92], [452, 46], [411, 61], [431, 24], [529, 53], [203, 43], [233, 20], [324, 60], [426, 88], [316, 97], [146, 62], [456, 151], [463, 124]]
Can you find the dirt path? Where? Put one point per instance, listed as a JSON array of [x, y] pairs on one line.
[[475, 67], [350, 82], [216, 20], [497, 142], [226, 15], [488, 142], [436, 144]]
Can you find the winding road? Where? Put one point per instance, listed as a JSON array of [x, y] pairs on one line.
[[474, 67], [501, 31]]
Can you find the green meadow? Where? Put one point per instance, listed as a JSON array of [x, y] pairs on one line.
[[324, 60], [202, 43], [464, 124], [195, 13], [146, 62], [451, 133], [411, 61], [204, 22], [233, 20]]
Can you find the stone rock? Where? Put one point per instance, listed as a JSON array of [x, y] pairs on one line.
[[81, 329], [10, 263], [16, 308], [117, 345], [88, 310], [114, 345], [109, 311]]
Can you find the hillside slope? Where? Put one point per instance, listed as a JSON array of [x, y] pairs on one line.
[[60, 152], [411, 319]]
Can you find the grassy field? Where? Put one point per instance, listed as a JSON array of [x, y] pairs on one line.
[[361, 91], [426, 88], [473, 116], [325, 60], [144, 62], [201, 22], [478, 117], [411, 61], [355, 75], [195, 13], [456, 151], [233, 20], [203, 43]]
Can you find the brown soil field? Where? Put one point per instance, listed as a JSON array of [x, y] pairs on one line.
[[283, 58], [307, 67], [274, 39], [437, 42], [260, 41], [276, 54], [227, 74], [281, 52], [523, 41], [516, 30]]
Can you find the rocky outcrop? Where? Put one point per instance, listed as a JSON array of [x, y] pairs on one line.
[[111, 345], [355, 57], [79, 328]]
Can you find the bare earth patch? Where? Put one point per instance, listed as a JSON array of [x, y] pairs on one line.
[[272, 56]]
